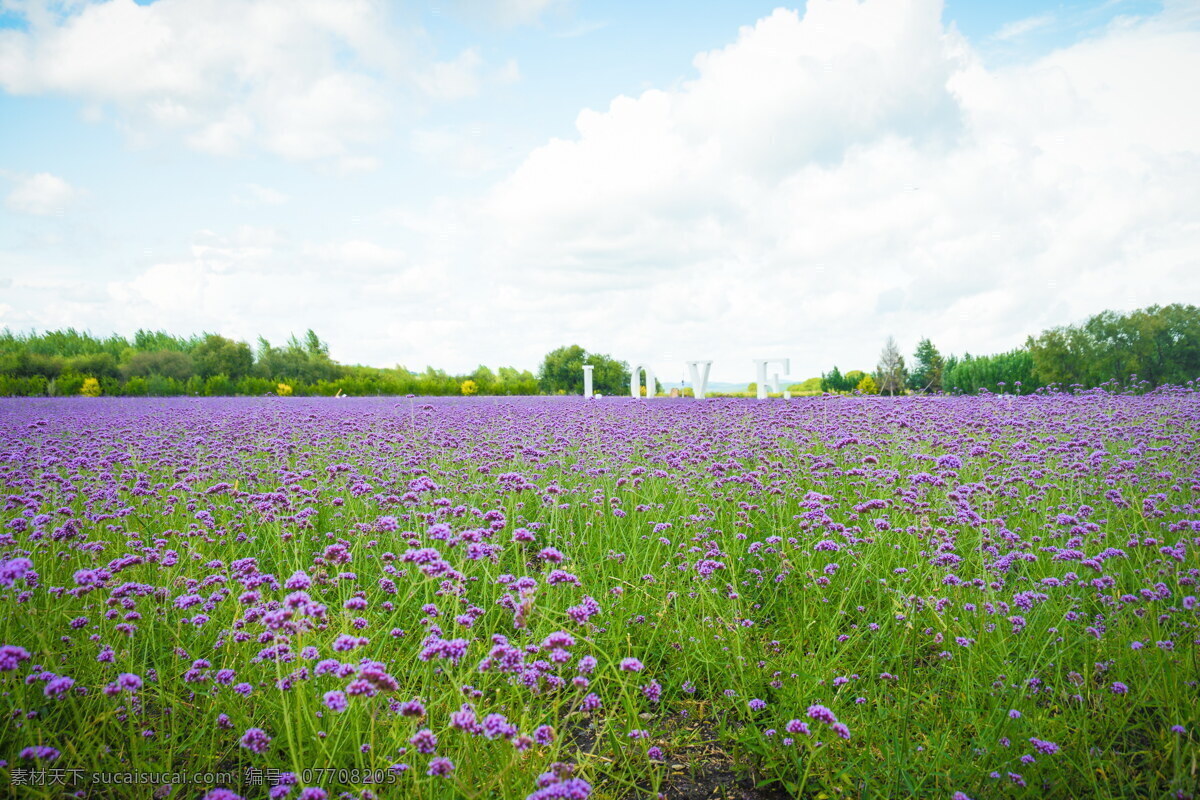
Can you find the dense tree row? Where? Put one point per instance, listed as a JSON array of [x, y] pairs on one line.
[[1144, 348], [154, 363], [1159, 344]]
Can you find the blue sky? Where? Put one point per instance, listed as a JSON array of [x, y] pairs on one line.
[[479, 182]]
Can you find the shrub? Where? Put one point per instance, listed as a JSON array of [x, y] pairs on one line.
[[867, 385]]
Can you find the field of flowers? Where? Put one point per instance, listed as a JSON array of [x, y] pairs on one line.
[[552, 598]]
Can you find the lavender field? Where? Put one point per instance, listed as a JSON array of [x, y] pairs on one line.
[[550, 598]]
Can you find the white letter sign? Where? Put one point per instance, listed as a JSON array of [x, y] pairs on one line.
[[635, 381], [760, 366], [699, 378]]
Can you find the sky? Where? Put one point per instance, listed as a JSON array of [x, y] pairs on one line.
[[469, 182]]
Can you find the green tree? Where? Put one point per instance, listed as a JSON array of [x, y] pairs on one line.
[[218, 385], [928, 368], [217, 355], [867, 385], [101, 364], [510, 381], [562, 372], [1011, 372], [163, 386], [137, 386], [1158, 344], [305, 361], [145, 340], [808, 386], [835, 381], [168, 363], [485, 380]]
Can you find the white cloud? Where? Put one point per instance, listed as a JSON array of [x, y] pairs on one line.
[[507, 12], [455, 79], [305, 80], [1020, 27], [42, 194], [831, 178], [254, 194], [367, 297], [823, 181], [461, 150], [358, 255]]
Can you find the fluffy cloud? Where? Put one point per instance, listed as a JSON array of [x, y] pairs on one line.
[[253, 194], [366, 297], [827, 179], [316, 79], [506, 12], [42, 194], [833, 177]]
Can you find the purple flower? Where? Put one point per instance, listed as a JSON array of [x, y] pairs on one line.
[[563, 789], [11, 656], [496, 726], [345, 642], [821, 714], [412, 708], [299, 580], [425, 741], [14, 570], [464, 720], [39, 753], [631, 665], [129, 682], [796, 726], [256, 740], [58, 686], [336, 701], [1042, 746], [440, 767]]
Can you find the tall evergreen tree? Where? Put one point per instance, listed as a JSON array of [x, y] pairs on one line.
[[928, 368]]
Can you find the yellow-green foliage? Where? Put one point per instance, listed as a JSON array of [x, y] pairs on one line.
[[469, 387], [90, 388], [867, 385], [283, 390]]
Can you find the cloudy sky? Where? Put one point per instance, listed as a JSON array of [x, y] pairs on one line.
[[471, 182]]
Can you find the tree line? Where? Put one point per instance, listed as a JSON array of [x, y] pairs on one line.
[[1140, 349], [155, 363]]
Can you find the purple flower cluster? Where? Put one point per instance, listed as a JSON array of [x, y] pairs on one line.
[[429, 578]]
